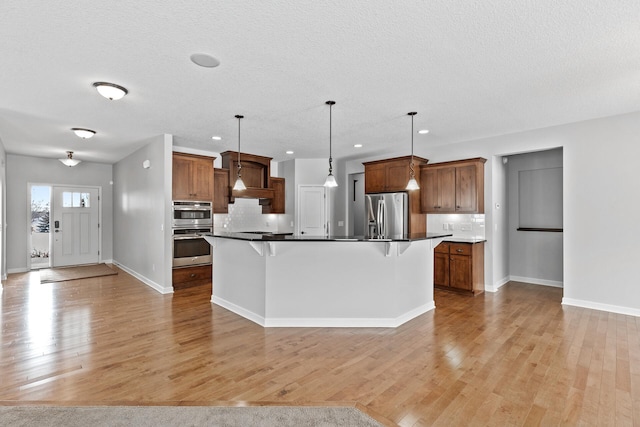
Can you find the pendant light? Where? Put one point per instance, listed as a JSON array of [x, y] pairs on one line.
[[331, 180], [412, 184], [239, 185], [70, 161]]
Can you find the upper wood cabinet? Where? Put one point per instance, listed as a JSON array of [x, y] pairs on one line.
[[255, 171], [192, 177], [221, 190], [389, 175], [277, 203], [453, 187]]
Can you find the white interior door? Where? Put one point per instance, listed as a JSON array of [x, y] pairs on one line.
[[75, 224], [312, 210]]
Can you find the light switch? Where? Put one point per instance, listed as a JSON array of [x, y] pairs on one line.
[[340, 223]]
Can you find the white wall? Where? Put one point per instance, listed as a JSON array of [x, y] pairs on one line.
[[534, 257], [22, 170], [3, 212], [600, 206], [142, 213]]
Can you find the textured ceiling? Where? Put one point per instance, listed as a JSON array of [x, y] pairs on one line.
[[470, 69]]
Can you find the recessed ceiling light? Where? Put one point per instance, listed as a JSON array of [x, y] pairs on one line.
[[357, 145], [289, 152], [110, 91], [83, 133], [423, 131], [216, 138], [204, 60]]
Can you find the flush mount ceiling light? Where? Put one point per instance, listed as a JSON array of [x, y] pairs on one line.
[[423, 131], [331, 180], [204, 60], [110, 91], [239, 185], [83, 133], [216, 138], [69, 161], [289, 152], [357, 145], [412, 184]]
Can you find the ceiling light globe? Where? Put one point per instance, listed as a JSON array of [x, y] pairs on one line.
[[110, 91], [83, 133]]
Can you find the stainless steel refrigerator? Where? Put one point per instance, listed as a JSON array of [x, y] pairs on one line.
[[386, 214]]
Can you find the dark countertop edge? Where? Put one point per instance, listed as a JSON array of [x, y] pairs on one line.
[[293, 238]]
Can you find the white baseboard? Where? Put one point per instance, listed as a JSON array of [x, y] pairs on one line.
[[602, 307], [534, 281], [17, 270], [310, 322], [145, 280], [497, 285]]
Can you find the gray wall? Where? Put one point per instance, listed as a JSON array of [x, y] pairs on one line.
[[3, 212], [22, 170], [534, 257], [142, 213]]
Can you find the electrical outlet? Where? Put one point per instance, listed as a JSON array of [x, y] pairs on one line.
[[452, 226], [340, 223], [445, 226], [465, 226]]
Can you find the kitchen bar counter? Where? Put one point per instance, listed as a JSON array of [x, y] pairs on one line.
[[266, 236], [309, 281]]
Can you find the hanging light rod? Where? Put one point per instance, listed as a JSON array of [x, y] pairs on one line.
[[330, 182], [412, 184], [239, 185]]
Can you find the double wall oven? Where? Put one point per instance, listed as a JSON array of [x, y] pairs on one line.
[[191, 220]]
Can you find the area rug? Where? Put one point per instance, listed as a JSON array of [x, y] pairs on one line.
[[72, 416], [62, 274]]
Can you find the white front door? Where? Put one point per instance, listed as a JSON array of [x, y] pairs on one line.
[[75, 226], [312, 210]]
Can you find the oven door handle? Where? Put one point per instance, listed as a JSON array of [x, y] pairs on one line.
[[189, 237]]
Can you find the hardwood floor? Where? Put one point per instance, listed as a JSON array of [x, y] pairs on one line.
[[516, 357]]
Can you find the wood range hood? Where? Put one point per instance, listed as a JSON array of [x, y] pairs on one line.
[[256, 174]]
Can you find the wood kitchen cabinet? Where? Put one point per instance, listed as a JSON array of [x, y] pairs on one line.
[[277, 203], [187, 277], [392, 175], [459, 266], [453, 187], [221, 190], [192, 177], [255, 171]]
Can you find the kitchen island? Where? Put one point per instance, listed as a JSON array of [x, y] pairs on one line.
[[317, 281]]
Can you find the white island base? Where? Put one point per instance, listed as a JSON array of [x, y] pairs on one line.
[[324, 283]]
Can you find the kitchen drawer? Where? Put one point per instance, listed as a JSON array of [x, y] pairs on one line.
[[191, 276], [460, 248], [442, 248]]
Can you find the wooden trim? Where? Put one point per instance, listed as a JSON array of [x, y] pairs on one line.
[[416, 159], [456, 162], [543, 229]]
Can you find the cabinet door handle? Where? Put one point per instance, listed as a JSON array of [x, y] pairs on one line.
[[459, 250], [193, 275]]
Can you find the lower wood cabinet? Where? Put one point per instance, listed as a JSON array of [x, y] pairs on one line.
[[459, 266], [186, 277]]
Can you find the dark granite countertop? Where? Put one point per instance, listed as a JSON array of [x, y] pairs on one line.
[[285, 237]]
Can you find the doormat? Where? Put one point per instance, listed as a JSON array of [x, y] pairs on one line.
[[62, 274]]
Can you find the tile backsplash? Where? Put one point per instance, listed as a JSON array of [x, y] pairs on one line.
[[461, 225], [246, 215]]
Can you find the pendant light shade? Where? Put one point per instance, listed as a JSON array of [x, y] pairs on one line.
[[70, 161], [330, 182], [239, 185], [412, 184], [110, 91]]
